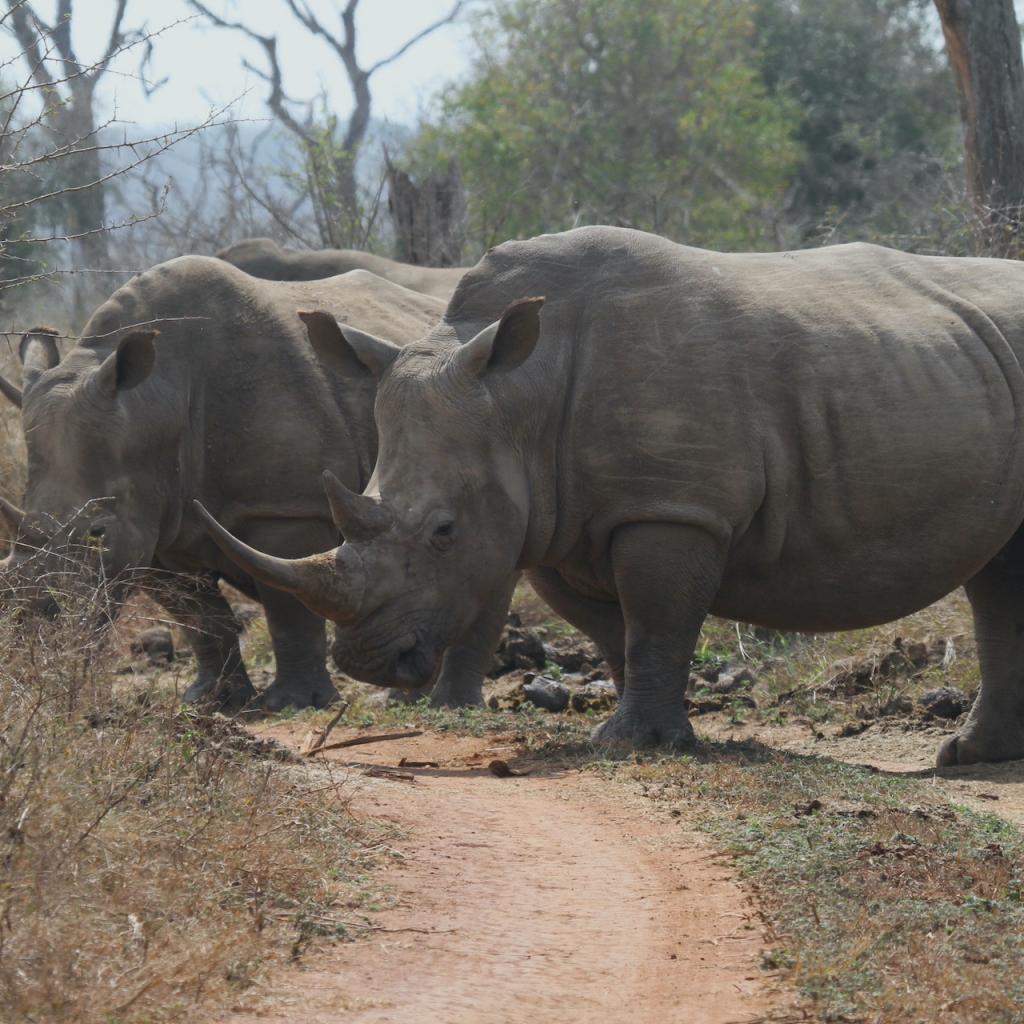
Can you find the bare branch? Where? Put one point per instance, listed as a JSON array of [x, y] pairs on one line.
[[419, 37]]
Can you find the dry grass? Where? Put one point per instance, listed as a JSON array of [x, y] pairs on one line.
[[152, 863], [888, 905]]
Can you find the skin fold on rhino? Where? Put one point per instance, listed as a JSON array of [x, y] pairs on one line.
[[263, 257], [818, 440], [227, 402]]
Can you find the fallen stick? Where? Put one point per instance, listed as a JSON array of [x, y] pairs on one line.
[[380, 772], [359, 740], [406, 763], [316, 738]]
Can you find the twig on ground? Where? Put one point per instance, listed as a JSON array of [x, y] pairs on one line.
[[316, 738], [357, 741]]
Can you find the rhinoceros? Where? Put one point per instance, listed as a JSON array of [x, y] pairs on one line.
[[227, 401], [263, 257], [817, 440]]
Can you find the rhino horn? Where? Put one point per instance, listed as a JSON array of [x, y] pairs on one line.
[[10, 391], [358, 516], [327, 583], [13, 515], [15, 519]]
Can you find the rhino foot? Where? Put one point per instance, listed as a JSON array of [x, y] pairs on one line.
[[448, 694], [973, 745], [280, 695], [228, 695], [443, 695], [634, 730], [401, 695]]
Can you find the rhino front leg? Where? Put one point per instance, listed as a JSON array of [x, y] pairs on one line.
[[299, 639], [994, 730], [198, 606], [600, 620], [666, 577], [460, 682]]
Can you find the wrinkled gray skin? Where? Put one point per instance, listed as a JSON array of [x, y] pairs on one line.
[[816, 440], [230, 405], [263, 257]]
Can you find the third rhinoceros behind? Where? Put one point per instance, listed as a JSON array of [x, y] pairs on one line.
[[813, 440], [197, 379], [263, 257]]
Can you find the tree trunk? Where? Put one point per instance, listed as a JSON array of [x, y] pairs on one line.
[[983, 43], [429, 218]]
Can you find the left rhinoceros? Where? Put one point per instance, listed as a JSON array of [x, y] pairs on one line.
[[196, 379]]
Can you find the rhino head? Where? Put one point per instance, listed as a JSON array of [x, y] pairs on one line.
[[442, 522], [86, 516]]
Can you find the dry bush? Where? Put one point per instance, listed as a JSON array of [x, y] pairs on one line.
[[152, 861]]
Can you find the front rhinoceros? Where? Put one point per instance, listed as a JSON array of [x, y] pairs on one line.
[[197, 379], [815, 440]]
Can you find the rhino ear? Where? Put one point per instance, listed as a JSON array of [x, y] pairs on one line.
[[346, 350], [504, 345], [38, 353], [128, 365]]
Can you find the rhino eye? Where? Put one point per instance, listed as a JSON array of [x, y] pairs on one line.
[[97, 532], [444, 534]]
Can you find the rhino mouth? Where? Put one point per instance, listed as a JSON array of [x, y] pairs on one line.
[[407, 663]]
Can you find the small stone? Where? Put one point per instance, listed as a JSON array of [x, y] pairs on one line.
[[901, 704], [944, 702], [546, 693], [725, 684], [156, 644]]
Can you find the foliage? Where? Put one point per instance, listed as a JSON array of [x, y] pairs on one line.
[[878, 111], [645, 113]]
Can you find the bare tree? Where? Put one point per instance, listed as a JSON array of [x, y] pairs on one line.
[[983, 42], [429, 216], [330, 161], [66, 86], [58, 159]]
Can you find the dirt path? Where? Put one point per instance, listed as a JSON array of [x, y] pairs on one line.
[[546, 897], [890, 747]]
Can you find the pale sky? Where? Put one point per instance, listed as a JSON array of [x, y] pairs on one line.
[[204, 65]]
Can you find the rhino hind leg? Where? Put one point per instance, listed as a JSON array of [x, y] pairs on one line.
[[212, 631], [299, 639], [994, 730], [666, 576]]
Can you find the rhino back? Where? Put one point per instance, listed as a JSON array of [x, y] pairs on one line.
[[262, 257], [852, 406]]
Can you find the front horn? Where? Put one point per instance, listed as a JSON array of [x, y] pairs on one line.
[[357, 516], [327, 583]]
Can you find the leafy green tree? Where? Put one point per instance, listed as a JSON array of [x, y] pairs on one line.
[[878, 112], [645, 113]]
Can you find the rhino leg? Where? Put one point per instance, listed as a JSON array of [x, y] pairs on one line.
[[212, 631], [994, 730], [300, 652], [600, 620], [666, 577], [460, 683]]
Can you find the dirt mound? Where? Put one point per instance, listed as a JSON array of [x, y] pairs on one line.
[[903, 660]]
